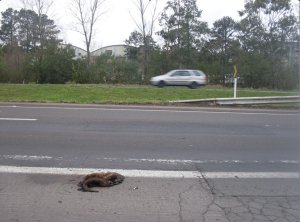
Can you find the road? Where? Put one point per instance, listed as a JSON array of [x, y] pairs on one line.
[[182, 163]]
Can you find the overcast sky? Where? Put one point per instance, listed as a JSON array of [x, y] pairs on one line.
[[117, 24]]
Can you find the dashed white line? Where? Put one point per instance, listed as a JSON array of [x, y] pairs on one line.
[[151, 173], [26, 157], [17, 119]]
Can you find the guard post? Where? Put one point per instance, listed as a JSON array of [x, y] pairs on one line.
[[235, 81]]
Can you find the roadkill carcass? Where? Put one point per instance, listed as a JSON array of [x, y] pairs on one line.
[[107, 179]]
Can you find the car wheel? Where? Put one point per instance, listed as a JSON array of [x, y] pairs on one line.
[[193, 85], [161, 84]]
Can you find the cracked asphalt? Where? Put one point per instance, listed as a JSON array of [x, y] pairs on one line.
[[34, 197], [250, 208]]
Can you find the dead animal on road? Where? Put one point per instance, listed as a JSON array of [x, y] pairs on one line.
[[100, 180]]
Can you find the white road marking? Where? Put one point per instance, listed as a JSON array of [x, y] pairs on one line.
[[150, 173], [252, 175], [153, 110], [26, 157], [159, 161], [177, 161], [17, 119]]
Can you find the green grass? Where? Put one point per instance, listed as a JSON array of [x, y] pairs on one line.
[[118, 94]]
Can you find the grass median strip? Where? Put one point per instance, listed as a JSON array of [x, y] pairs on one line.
[[118, 94]]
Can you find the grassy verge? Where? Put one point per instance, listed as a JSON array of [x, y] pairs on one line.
[[118, 93]]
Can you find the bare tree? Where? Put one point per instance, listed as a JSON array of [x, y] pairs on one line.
[[147, 11], [87, 13]]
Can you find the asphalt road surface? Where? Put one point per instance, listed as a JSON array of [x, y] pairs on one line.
[[180, 163]]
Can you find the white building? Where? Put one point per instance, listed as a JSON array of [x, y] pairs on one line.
[[113, 50], [79, 52]]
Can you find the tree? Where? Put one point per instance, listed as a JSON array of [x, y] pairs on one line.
[[56, 66], [87, 14], [9, 27], [13, 58], [137, 50], [182, 30], [49, 32], [44, 28], [143, 36], [41, 32], [135, 39], [26, 37], [27, 29], [110, 69], [267, 28], [222, 34], [12, 54], [133, 44], [3, 75]]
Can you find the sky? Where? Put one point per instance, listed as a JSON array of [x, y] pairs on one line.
[[117, 22]]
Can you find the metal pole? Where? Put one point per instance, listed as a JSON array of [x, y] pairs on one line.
[[235, 86], [235, 80], [299, 70], [299, 48]]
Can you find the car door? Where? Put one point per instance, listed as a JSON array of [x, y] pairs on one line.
[[173, 78], [186, 78], [180, 77]]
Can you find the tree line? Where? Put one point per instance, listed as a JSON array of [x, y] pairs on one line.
[[263, 44]]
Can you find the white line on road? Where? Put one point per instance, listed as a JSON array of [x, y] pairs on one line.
[[178, 161], [17, 119], [153, 110], [143, 160], [151, 173], [25, 157]]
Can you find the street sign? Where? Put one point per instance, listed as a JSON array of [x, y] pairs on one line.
[[235, 71]]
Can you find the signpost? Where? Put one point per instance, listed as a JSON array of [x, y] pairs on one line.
[[235, 81]]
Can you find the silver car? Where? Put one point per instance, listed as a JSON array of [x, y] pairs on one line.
[[181, 77]]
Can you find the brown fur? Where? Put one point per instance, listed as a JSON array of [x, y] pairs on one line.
[[100, 180]]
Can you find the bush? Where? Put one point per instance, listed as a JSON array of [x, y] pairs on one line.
[[109, 69]]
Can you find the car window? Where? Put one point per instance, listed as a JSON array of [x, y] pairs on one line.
[[180, 73], [198, 73], [175, 74], [185, 73]]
